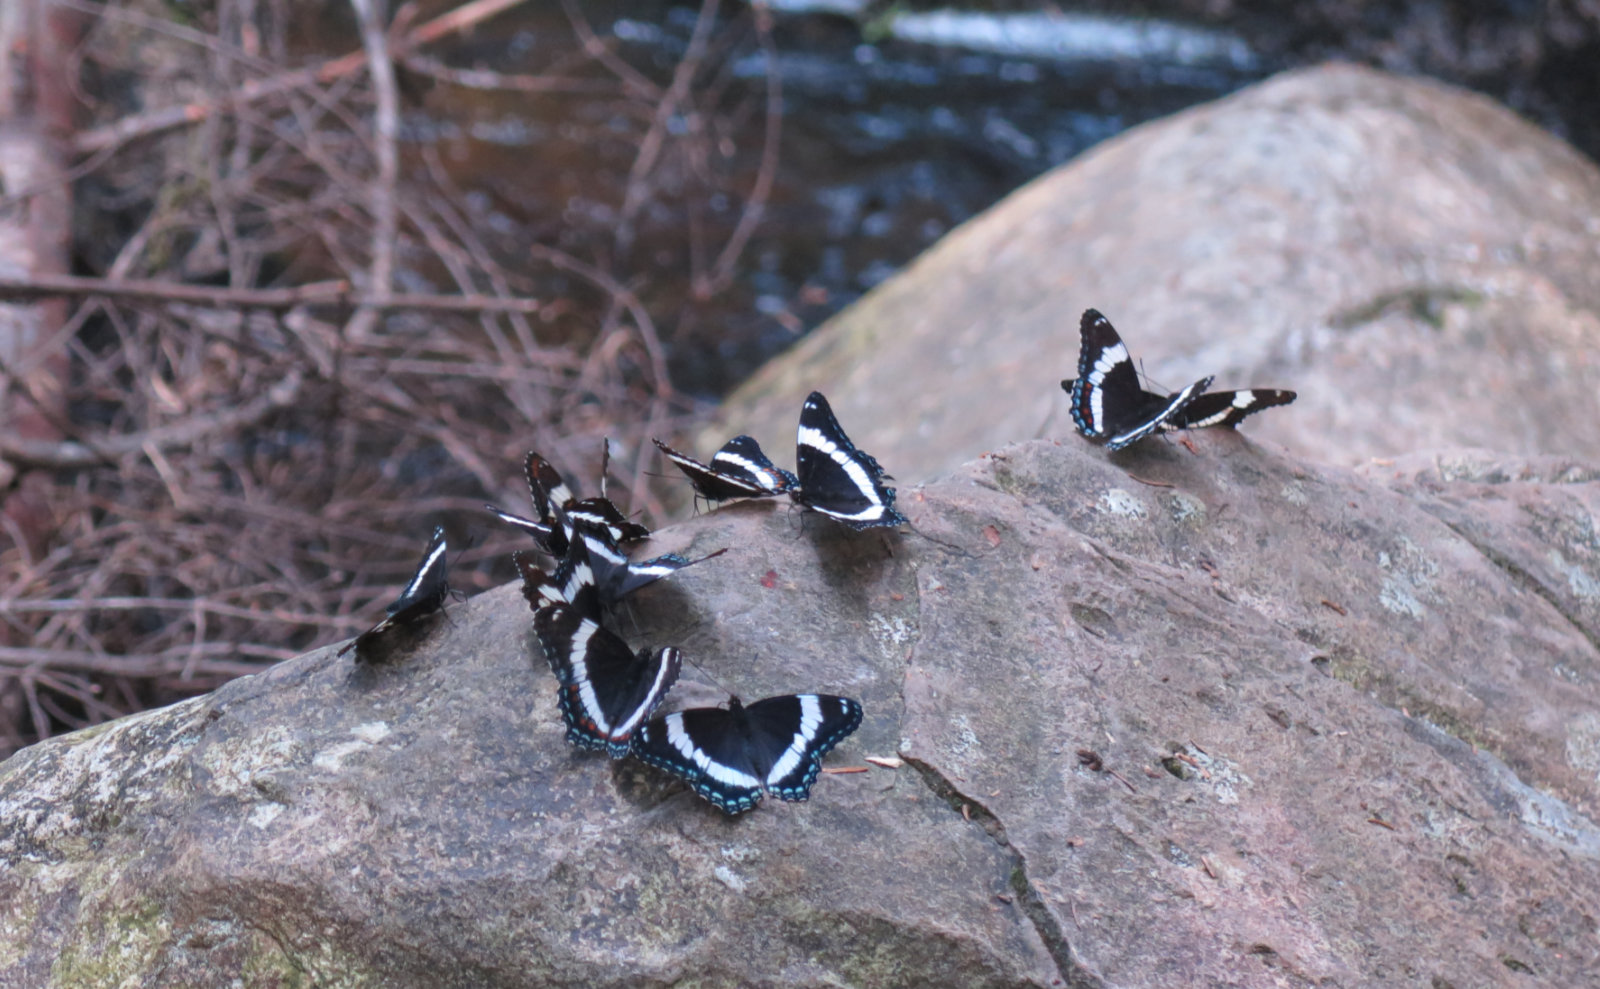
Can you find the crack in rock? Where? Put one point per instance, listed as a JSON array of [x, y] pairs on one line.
[[1072, 973], [1522, 578]]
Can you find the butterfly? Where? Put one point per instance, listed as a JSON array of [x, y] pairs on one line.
[[835, 478], [734, 756], [557, 508], [1107, 400], [595, 574], [1108, 405], [607, 691], [423, 596], [738, 470]]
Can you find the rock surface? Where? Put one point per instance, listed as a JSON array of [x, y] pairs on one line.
[[1415, 260], [1168, 718]]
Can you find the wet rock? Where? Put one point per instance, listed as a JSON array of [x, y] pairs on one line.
[[1164, 718], [1416, 261]]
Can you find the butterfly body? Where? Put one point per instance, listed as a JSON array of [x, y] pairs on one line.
[[606, 691], [834, 477], [736, 755]]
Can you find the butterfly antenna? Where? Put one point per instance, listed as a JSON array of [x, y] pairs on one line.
[[714, 681], [627, 610], [605, 463], [678, 476]]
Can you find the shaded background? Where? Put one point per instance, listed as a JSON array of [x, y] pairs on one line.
[[681, 191]]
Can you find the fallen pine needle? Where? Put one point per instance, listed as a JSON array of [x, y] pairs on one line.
[[1153, 484], [836, 770]]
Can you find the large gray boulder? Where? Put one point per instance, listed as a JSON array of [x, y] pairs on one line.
[[1418, 262], [1166, 719]]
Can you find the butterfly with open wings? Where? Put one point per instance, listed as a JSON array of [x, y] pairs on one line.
[[1109, 406]]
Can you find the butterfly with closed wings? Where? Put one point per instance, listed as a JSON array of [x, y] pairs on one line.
[[423, 596], [739, 470], [834, 477], [734, 756]]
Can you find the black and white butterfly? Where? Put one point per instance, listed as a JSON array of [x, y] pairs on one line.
[[607, 691], [1108, 404], [734, 756], [595, 574], [835, 478], [738, 470], [557, 508], [423, 596], [1122, 411], [1223, 409], [615, 576]]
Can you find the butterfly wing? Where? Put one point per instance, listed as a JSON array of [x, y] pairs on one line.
[[789, 735], [1106, 381], [1152, 413], [429, 585], [600, 513], [546, 487], [572, 582], [834, 477], [708, 482], [706, 747], [545, 535], [606, 691], [423, 595], [1226, 409], [743, 459]]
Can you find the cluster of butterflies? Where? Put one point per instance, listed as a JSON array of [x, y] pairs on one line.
[[608, 693], [733, 756]]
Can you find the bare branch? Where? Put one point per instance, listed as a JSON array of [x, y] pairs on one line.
[[337, 294], [46, 453], [155, 121], [385, 139]]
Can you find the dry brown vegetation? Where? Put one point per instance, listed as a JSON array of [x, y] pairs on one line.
[[290, 348]]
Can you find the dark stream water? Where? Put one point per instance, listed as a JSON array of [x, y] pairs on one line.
[[885, 146], [894, 130]]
